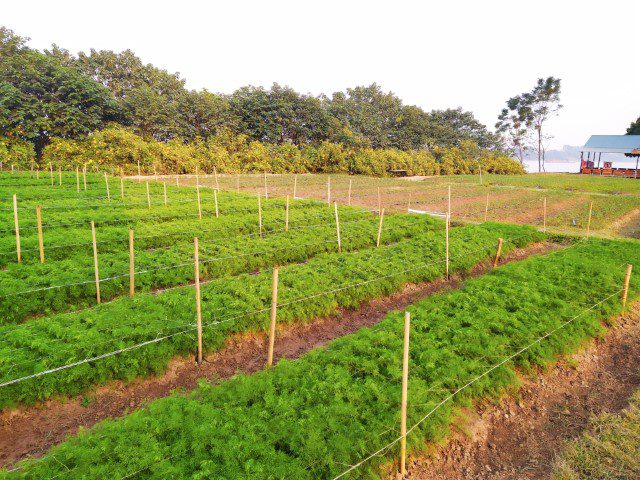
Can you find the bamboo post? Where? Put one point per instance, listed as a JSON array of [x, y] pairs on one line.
[[409, 203], [446, 246], [349, 194], [625, 287], [197, 176], [95, 260], [199, 206], [335, 207], [486, 208], [196, 264], [260, 215], [37, 173], [589, 219], [544, 214], [84, 177], [155, 173], [215, 175], [148, 196], [77, 180], [329, 190], [405, 388], [121, 187], [286, 215], [497, 259], [295, 185], [139, 173], [17, 226], [215, 198], [51, 172], [60, 176], [274, 308], [12, 169], [380, 228], [164, 187], [379, 202], [40, 239], [132, 280], [449, 205], [238, 183], [106, 182], [266, 191]]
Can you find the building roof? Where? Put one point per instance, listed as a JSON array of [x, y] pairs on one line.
[[613, 144]]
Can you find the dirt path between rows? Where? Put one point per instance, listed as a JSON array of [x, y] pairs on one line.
[[518, 439], [33, 430]]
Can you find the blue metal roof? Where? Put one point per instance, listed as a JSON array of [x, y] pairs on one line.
[[612, 143]]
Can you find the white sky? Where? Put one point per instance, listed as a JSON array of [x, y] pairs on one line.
[[473, 54]]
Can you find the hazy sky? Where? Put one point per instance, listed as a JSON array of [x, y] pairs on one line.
[[473, 54]]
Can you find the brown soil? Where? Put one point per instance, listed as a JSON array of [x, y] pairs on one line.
[[519, 438], [31, 431]]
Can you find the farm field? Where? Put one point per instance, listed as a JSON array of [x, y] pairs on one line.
[[313, 248], [511, 198], [335, 407]]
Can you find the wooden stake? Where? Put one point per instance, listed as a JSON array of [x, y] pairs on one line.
[[286, 215], [215, 175], [132, 280], [486, 208], [51, 172], [177, 180], [95, 260], [446, 242], [295, 185], [495, 262], [155, 172], [405, 388], [60, 176], [380, 227], [215, 198], [40, 239], [329, 191], [625, 287], [106, 182], [544, 214], [84, 177], [274, 307], [197, 177], [77, 180], [37, 173], [349, 194], [260, 215], [196, 264], [164, 187], [238, 183], [335, 207], [409, 202], [379, 202], [121, 187], [148, 196], [589, 219], [199, 207], [449, 205], [12, 169], [17, 226], [139, 174]]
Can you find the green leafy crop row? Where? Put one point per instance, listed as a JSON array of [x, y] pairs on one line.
[[315, 416], [49, 342]]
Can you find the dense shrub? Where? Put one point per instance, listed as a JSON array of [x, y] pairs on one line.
[[16, 152], [117, 147]]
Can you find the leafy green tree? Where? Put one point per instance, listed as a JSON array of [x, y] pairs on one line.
[[451, 127], [513, 127], [634, 128], [46, 98]]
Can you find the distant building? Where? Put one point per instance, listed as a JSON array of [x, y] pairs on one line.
[[629, 145]]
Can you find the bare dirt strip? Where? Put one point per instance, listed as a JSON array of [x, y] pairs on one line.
[[518, 438], [33, 430]]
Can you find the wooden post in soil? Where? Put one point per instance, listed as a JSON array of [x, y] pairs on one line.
[[164, 191], [589, 219], [544, 214], [380, 228], [625, 287], [266, 191], [215, 198], [286, 215], [405, 389], [486, 208], [197, 176], [196, 264], [60, 176], [199, 206], [95, 260], [132, 279], [40, 239], [106, 182], [449, 205], [497, 259], [215, 175], [155, 173], [238, 183], [409, 203], [177, 180], [139, 173], [77, 180], [379, 201], [259, 216], [335, 207], [37, 173], [349, 194], [272, 324], [121, 187], [148, 196], [51, 172], [12, 169], [17, 226], [329, 190], [295, 185], [446, 246], [84, 177]]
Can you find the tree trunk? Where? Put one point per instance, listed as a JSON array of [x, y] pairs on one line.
[[539, 149]]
